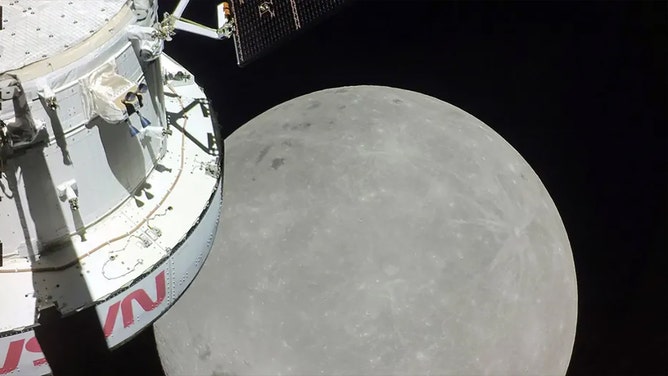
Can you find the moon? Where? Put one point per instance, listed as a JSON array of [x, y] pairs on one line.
[[376, 231]]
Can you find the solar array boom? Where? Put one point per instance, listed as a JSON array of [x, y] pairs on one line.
[[257, 26]]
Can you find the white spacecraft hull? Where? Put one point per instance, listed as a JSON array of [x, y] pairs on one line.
[[110, 176], [160, 287], [146, 293], [163, 286], [143, 298]]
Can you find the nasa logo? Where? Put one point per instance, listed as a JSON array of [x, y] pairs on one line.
[[123, 304], [14, 354]]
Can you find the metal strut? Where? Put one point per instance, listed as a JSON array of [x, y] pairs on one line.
[[171, 22]]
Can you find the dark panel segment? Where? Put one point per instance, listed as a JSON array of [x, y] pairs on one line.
[[261, 25], [311, 11]]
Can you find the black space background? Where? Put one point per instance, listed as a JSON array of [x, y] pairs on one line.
[[578, 88]]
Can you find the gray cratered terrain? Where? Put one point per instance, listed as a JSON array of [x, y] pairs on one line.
[[377, 231]]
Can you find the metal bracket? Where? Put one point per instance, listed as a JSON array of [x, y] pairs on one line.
[[68, 191], [211, 168], [171, 22]]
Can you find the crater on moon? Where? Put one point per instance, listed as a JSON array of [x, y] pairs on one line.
[[408, 239], [277, 162], [263, 153]]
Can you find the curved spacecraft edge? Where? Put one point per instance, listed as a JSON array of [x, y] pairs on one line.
[[110, 160]]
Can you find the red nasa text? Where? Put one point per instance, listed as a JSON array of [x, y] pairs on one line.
[[140, 296]]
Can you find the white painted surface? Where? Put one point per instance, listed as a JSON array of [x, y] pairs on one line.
[[138, 237], [37, 29], [179, 193], [20, 353]]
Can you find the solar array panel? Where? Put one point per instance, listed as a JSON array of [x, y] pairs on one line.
[[261, 25]]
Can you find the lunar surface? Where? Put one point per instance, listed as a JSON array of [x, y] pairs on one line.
[[377, 231]]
